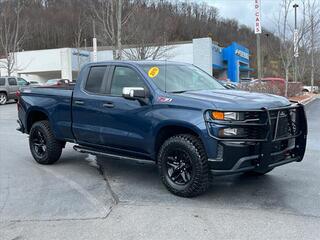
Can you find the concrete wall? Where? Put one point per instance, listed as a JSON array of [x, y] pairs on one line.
[[178, 52], [202, 54]]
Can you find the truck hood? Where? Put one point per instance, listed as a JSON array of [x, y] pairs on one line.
[[236, 99]]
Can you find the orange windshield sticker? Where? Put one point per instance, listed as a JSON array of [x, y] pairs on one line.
[[153, 72]]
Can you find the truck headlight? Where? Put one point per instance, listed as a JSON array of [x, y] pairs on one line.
[[226, 116]]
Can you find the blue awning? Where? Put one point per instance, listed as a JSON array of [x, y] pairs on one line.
[[215, 66], [246, 68]]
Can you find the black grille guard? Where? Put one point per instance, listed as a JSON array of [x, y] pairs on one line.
[[265, 124]]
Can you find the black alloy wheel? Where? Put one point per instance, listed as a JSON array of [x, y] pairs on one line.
[[44, 147], [38, 142], [179, 167], [183, 165]]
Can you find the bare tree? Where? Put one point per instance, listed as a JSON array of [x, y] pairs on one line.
[[151, 51], [110, 18], [148, 32], [12, 33], [314, 20], [285, 34], [79, 33]]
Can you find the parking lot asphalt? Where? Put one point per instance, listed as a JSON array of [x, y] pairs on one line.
[[79, 199]]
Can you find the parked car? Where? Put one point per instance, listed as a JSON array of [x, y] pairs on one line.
[[271, 83], [171, 113], [227, 84], [308, 89], [246, 80], [9, 86], [57, 82], [280, 82]]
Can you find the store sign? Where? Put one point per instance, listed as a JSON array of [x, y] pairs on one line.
[[257, 8], [80, 53], [242, 54], [216, 49]]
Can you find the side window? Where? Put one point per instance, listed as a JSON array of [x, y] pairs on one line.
[[2, 81], [94, 82], [12, 81], [124, 77]]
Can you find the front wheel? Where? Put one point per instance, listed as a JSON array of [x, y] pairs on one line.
[[44, 148], [183, 165]]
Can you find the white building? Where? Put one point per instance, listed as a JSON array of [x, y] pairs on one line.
[[41, 65]]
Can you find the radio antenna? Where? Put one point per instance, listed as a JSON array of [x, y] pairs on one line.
[[165, 62]]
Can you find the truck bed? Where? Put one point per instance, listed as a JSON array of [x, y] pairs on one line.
[[56, 101]]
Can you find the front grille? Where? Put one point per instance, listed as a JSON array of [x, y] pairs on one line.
[[284, 123], [262, 125]]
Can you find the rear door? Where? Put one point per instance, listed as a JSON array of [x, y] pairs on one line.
[[87, 106], [13, 87]]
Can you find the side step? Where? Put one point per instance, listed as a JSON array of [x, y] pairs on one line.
[[112, 155]]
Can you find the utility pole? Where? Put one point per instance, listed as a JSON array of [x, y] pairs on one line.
[[312, 52], [94, 44], [259, 56], [295, 42], [119, 29], [258, 31]]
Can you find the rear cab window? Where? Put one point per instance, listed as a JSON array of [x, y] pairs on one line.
[[96, 81]]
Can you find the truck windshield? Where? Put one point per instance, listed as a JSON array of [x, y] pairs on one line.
[[180, 78]]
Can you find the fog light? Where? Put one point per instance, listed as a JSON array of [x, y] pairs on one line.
[[232, 132], [228, 132]]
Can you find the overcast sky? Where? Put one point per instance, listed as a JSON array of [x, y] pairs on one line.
[[243, 11]]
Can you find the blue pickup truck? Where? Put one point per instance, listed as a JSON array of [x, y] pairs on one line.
[[171, 113]]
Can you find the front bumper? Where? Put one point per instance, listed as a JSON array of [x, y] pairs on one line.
[[265, 152]]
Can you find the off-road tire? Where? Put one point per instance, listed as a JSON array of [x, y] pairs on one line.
[[53, 147], [192, 146]]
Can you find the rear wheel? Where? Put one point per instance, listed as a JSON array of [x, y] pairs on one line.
[[3, 98], [183, 166], [44, 148]]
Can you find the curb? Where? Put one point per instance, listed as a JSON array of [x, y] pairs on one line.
[[308, 100]]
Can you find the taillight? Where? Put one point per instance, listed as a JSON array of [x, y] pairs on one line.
[[18, 94]]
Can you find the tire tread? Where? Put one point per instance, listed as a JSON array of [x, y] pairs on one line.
[[54, 147], [202, 180]]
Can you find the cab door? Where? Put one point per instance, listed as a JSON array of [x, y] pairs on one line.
[[128, 125]]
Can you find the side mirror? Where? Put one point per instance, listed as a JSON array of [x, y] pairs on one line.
[[134, 93]]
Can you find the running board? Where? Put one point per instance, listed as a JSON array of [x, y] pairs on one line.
[[96, 152]]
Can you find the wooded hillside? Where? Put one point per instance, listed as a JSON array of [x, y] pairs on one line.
[[47, 24]]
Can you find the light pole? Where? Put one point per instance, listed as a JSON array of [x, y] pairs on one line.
[[258, 31], [295, 42]]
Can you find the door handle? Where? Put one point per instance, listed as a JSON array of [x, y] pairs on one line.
[[77, 102], [108, 105]]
